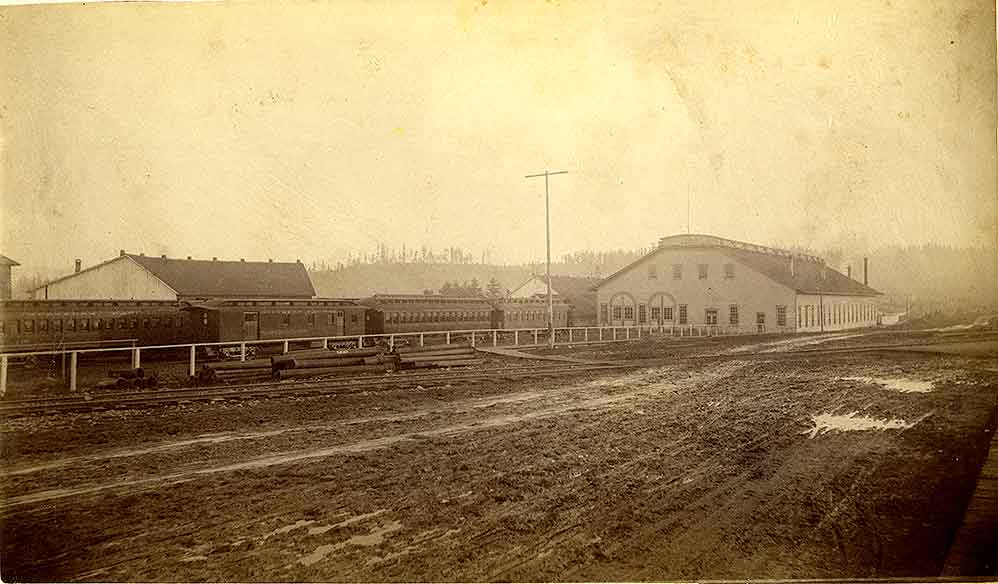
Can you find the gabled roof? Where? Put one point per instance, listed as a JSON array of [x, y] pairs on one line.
[[802, 273], [212, 278], [6, 261]]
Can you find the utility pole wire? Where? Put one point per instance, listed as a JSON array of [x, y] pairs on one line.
[[547, 223]]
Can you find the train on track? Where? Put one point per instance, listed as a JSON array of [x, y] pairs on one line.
[[42, 325]]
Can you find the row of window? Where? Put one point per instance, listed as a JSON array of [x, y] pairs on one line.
[[663, 314], [702, 271], [437, 316], [30, 326], [310, 319], [835, 314], [516, 315]]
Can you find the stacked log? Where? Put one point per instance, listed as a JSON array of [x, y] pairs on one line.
[[447, 356], [322, 362]]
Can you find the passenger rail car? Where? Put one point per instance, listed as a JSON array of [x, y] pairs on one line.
[[40, 325], [262, 319], [522, 313], [406, 313]]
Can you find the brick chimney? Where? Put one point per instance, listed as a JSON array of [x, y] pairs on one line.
[[79, 265]]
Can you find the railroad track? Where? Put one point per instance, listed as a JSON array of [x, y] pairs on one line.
[[357, 384], [341, 386]]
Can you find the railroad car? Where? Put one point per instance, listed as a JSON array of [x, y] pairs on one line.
[[39, 325], [262, 319], [522, 313], [405, 313]]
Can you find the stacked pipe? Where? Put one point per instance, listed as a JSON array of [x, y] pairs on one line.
[[448, 356], [238, 371], [321, 362]]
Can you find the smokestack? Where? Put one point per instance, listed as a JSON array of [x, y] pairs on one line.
[[849, 271], [121, 252], [188, 257], [79, 264], [242, 259], [214, 259], [162, 256], [866, 266], [793, 271]]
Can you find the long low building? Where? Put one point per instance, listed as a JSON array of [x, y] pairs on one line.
[[709, 280], [140, 277]]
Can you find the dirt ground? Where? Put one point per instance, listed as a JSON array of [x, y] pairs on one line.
[[844, 466]]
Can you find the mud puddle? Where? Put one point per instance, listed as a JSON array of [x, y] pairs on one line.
[[900, 384], [853, 422], [374, 537]]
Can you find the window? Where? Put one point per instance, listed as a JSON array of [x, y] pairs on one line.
[[733, 314], [677, 271], [285, 319], [656, 313], [702, 271], [108, 324], [145, 323], [617, 312], [652, 272], [310, 319], [3, 327], [168, 322], [781, 316], [603, 312], [29, 325], [156, 321], [629, 313], [682, 314], [43, 325], [71, 324], [729, 271], [642, 314], [330, 318], [84, 324], [799, 319], [667, 313], [760, 318], [710, 316], [353, 318]]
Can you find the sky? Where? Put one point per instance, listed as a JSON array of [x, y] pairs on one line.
[[316, 130]]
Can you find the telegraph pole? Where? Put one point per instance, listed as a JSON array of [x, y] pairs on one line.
[[547, 224]]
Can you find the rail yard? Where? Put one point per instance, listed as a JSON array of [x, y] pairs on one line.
[[828, 455]]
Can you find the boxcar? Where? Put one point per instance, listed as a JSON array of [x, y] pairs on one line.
[[521, 313], [262, 319], [404, 313], [54, 324]]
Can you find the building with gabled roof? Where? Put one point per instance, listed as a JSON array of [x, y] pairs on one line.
[[5, 279], [141, 277], [577, 291], [708, 280]]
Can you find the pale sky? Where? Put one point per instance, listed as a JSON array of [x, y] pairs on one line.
[[312, 130]]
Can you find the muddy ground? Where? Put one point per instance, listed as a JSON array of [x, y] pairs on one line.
[[845, 466]]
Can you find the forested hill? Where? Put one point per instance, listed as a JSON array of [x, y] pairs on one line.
[[936, 277]]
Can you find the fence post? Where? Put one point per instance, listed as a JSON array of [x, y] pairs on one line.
[[472, 338], [420, 339], [535, 336], [448, 338], [3, 375], [136, 359], [587, 334], [614, 329], [569, 335], [391, 342], [242, 351], [601, 333], [360, 342], [72, 371], [516, 338], [286, 347], [325, 343], [494, 343], [190, 370]]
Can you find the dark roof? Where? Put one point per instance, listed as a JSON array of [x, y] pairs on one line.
[[204, 278], [810, 274], [6, 261]]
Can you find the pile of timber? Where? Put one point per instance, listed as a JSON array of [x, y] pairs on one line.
[[445, 356], [235, 371], [323, 362], [127, 378]]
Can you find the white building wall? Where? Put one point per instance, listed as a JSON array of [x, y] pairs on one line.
[[749, 290], [120, 279], [835, 312]]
